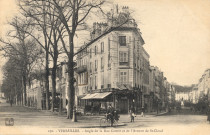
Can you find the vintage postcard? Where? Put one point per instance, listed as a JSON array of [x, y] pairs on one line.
[[104, 67]]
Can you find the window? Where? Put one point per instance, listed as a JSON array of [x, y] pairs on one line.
[[102, 81], [95, 82], [123, 58], [109, 64], [91, 82], [95, 50], [102, 47], [90, 67], [123, 77], [122, 40], [102, 63], [90, 53], [80, 82], [78, 63], [86, 78], [82, 78], [95, 65]]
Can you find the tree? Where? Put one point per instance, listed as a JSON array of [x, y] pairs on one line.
[[19, 47], [72, 14], [45, 18], [11, 85]]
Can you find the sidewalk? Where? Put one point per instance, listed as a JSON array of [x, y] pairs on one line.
[[155, 113], [34, 117]]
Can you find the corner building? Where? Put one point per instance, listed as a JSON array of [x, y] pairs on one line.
[[114, 67]]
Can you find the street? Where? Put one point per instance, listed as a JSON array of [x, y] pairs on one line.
[[32, 118]]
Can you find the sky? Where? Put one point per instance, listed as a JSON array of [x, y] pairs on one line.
[[176, 34]]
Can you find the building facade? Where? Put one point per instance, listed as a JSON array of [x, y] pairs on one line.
[[204, 85], [114, 68]]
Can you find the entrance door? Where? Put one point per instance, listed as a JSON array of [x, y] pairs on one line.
[[123, 105]]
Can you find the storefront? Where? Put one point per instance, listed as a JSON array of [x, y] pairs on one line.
[[121, 100]]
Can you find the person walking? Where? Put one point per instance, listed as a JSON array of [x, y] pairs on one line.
[[11, 102], [142, 112], [132, 115], [110, 114]]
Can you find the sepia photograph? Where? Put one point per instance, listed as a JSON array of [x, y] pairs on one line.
[[71, 67]]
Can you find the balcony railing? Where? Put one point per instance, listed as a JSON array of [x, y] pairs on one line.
[[125, 83], [81, 69], [124, 63]]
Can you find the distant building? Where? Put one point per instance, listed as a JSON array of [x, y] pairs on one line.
[[193, 96], [182, 96]]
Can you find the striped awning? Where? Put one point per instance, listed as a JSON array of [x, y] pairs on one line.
[[97, 95], [89, 96], [102, 95]]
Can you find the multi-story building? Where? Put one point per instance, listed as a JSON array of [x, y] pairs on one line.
[[193, 96], [162, 93], [171, 94], [204, 85], [114, 67], [34, 95]]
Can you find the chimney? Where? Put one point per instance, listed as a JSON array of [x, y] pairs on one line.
[[125, 9]]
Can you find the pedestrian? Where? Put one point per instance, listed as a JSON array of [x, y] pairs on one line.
[[142, 112], [67, 106], [132, 115], [110, 114], [116, 115], [11, 102]]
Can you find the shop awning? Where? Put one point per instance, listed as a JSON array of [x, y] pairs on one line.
[[124, 86], [89, 96], [97, 95], [102, 95]]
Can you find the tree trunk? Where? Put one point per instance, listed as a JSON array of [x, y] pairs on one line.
[[47, 81], [21, 97], [54, 69], [24, 90], [71, 90], [61, 93], [54, 84]]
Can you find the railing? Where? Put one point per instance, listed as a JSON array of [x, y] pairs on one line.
[[81, 69], [124, 83]]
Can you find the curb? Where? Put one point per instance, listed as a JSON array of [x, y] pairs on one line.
[[98, 126], [161, 114]]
